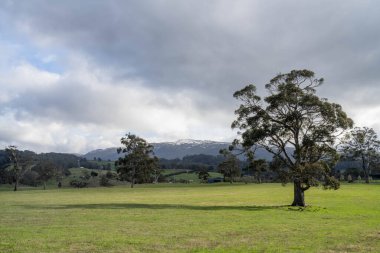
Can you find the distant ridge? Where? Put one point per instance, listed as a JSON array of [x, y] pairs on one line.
[[167, 150], [177, 149]]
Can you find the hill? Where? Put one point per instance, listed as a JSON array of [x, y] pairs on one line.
[[174, 150]]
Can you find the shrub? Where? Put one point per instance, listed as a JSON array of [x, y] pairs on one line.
[[66, 172], [104, 181], [110, 175], [183, 181], [79, 183], [85, 175], [248, 179]]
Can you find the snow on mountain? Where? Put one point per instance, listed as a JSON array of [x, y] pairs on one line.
[[191, 141], [168, 150]]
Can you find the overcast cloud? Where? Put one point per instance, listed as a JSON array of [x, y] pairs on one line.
[[77, 75]]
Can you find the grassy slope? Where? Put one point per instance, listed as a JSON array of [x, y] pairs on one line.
[[193, 176], [195, 218]]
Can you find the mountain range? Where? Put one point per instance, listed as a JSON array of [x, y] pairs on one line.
[[177, 149], [167, 150]]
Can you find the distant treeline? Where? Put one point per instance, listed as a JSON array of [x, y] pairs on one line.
[[193, 162], [63, 162]]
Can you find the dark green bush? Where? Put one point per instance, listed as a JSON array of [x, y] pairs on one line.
[[79, 183], [104, 181]]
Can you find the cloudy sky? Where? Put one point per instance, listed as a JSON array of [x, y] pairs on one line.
[[77, 75]]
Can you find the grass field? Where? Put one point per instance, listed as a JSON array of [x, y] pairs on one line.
[[190, 218]]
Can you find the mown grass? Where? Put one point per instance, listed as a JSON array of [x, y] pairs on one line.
[[190, 218]]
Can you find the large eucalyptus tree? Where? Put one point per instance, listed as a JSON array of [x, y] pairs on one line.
[[296, 126]]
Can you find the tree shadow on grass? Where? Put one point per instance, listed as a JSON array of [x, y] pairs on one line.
[[156, 207]]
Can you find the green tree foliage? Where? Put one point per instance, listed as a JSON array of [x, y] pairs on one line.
[[30, 178], [192, 162], [82, 181], [258, 167], [139, 163], [362, 144], [104, 181], [6, 176], [203, 175], [46, 170], [230, 166], [20, 161], [156, 171], [79, 183], [296, 126]]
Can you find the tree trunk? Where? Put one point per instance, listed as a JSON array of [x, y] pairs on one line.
[[366, 175], [258, 175], [299, 197], [44, 185], [133, 177], [365, 170], [16, 184]]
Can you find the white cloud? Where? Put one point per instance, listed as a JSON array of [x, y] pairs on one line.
[[171, 74], [83, 109]]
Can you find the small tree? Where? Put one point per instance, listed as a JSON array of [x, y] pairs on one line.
[[297, 127], [20, 162], [45, 169], [203, 174], [104, 181], [362, 144], [255, 166], [13, 155], [230, 166], [138, 162], [30, 178], [258, 167], [156, 171]]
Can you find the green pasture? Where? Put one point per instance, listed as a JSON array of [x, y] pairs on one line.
[[175, 175], [190, 218]]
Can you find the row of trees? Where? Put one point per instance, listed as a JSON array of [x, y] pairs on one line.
[[302, 131], [33, 169], [193, 162], [21, 163]]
